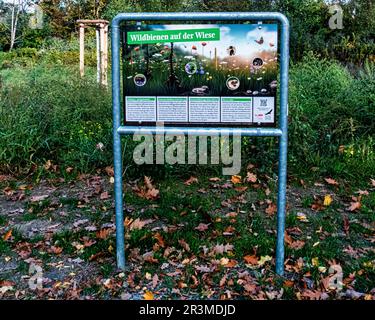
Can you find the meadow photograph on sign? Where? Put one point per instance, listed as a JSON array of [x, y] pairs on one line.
[[200, 59]]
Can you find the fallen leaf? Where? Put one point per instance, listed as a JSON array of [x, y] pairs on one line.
[[221, 249], [222, 281], [7, 235], [148, 295], [215, 179], [155, 280], [236, 179], [288, 283], [103, 233], [298, 244], [241, 189], [327, 200], [56, 250], [4, 289], [251, 259], [315, 262], [354, 206], [149, 257], [39, 198], [138, 224], [263, 260], [202, 227], [302, 217], [331, 181], [160, 239], [251, 177], [69, 169], [184, 244], [110, 171], [250, 287], [271, 209], [104, 196], [204, 269], [191, 180]]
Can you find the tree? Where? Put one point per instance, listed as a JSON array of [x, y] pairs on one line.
[[14, 16]]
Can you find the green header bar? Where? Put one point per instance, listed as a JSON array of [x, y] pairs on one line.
[[188, 35]]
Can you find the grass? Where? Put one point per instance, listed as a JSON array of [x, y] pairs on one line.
[[177, 213], [63, 118]]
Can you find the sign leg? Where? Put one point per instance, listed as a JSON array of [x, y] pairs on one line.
[[281, 204], [120, 241]]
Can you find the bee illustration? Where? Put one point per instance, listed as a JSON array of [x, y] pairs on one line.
[[260, 41]]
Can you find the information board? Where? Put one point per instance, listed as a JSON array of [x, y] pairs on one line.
[[200, 74]]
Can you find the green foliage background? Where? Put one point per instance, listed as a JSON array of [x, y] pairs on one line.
[[48, 113]]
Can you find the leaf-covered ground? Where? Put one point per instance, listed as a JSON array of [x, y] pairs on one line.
[[200, 238]]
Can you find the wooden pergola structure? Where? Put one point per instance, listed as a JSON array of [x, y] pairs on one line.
[[101, 48]]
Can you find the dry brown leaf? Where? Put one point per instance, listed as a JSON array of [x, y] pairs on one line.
[[56, 250], [288, 283], [251, 259], [271, 209], [202, 227], [195, 282], [155, 280], [110, 171], [331, 181], [7, 235], [152, 194], [149, 257], [231, 263], [184, 244], [236, 179], [251, 177], [222, 281], [104, 196], [148, 295], [148, 182], [138, 224], [221, 249], [354, 206], [103, 233], [39, 198], [191, 180], [214, 179], [298, 244], [160, 239]]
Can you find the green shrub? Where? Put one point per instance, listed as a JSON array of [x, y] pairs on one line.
[[49, 113]]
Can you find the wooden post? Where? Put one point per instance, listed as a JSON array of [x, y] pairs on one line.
[[98, 58], [82, 49], [105, 56], [101, 53]]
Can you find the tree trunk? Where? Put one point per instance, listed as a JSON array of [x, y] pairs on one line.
[[14, 22]]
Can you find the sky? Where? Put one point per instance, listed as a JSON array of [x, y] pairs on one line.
[[241, 36]]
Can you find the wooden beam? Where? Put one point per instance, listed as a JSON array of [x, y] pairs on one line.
[[98, 21]]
